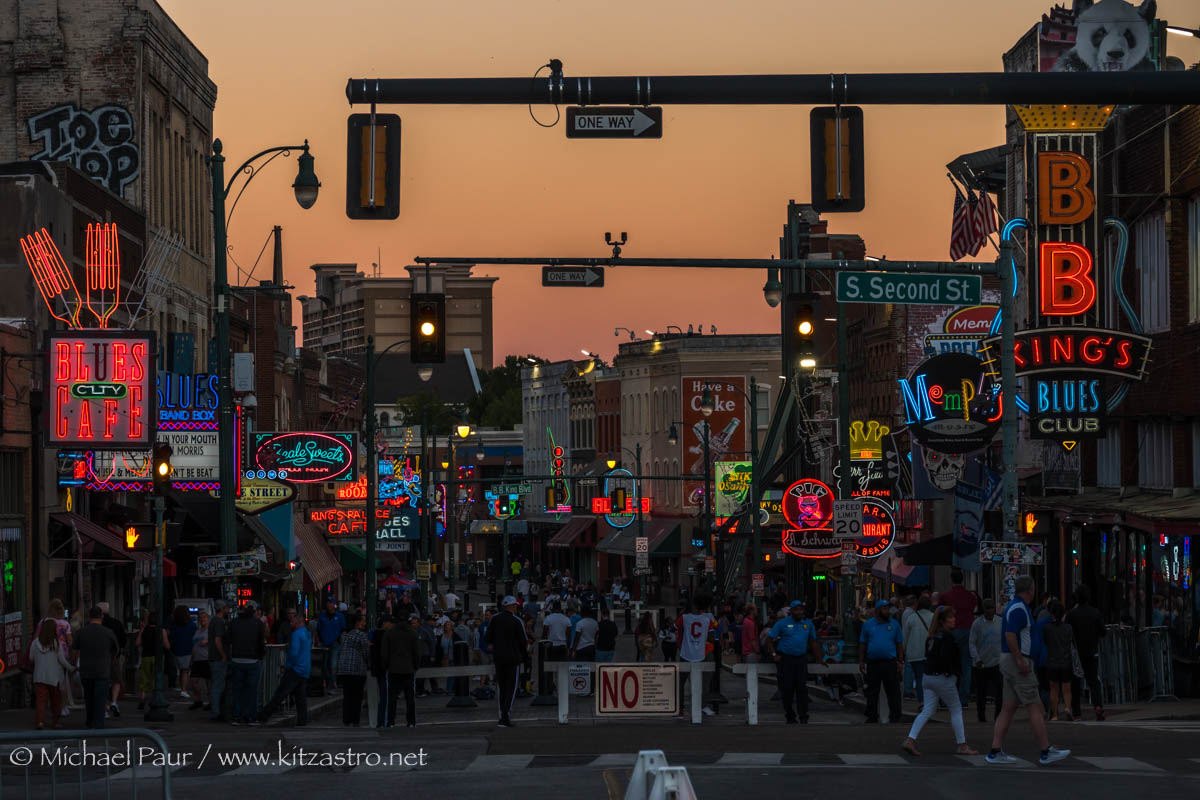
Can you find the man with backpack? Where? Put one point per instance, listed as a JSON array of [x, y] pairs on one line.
[[1020, 650]]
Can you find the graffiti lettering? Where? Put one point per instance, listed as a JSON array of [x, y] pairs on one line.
[[99, 142]]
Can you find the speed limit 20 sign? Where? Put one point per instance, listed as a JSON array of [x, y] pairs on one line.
[[847, 519]]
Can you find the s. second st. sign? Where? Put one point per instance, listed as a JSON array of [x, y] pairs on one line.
[[308, 457]]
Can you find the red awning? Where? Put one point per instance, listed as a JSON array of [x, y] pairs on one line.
[[574, 533], [100, 535]]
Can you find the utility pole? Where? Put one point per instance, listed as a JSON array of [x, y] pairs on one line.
[[1008, 389], [755, 529], [641, 527], [225, 460], [849, 640], [159, 710], [372, 481]]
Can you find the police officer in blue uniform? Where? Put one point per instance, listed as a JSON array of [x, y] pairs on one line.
[[790, 641], [881, 660]]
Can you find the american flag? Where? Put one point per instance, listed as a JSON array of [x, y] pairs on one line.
[[985, 216], [962, 235]]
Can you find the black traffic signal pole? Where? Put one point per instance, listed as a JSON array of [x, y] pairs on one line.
[[947, 88], [829, 264]]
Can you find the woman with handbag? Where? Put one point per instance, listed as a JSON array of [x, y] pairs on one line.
[[1060, 657], [50, 669], [646, 637]]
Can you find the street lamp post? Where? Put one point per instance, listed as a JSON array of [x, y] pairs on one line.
[[637, 454], [305, 187]]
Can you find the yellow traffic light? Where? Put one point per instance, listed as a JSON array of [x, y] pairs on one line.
[[427, 329], [805, 327]]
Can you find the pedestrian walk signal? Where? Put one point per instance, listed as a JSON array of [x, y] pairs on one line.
[[836, 139], [373, 166], [427, 333], [138, 537]]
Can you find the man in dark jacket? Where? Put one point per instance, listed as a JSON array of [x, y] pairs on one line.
[[97, 648], [400, 655], [1088, 627], [506, 635], [247, 647]]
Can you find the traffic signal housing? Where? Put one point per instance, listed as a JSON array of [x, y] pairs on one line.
[[802, 330], [836, 139], [373, 183], [617, 501], [161, 469], [427, 330], [138, 537]]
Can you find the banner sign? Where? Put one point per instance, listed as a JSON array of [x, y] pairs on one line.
[[100, 387], [1023, 552], [733, 480], [308, 457]]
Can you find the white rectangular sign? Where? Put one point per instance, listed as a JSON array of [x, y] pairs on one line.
[[847, 519], [637, 689]]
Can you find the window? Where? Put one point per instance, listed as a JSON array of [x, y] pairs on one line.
[[1193, 258], [1150, 243], [12, 482], [1154, 455], [1108, 459]]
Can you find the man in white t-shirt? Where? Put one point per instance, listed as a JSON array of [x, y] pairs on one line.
[[523, 587], [450, 601], [584, 646], [695, 632], [557, 628]]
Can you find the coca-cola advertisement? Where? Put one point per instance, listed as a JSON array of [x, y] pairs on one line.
[[727, 426]]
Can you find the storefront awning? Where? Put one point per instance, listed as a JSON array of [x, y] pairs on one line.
[[901, 573], [314, 554], [489, 526], [99, 535], [1154, 513], [579, 532], [936, 552], [663, 535], [354, 558]]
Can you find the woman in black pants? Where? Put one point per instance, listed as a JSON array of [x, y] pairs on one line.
[[353, 660]]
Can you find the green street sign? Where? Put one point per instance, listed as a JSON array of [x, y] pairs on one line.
[[513, 488], [909, 288]]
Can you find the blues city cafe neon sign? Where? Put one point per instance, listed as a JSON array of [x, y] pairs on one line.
[[308, 457], [100, 387], [951, 404]]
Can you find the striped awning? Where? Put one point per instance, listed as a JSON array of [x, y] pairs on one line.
[[314, 554], [574, 533]]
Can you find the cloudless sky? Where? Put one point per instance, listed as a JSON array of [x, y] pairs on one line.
[[487, 181]]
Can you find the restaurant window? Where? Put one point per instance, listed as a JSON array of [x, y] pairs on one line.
[[1154, 455], [1108, 459]]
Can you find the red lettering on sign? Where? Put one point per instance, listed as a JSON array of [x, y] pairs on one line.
[[629, 698], [110, 417], [1067, 285]]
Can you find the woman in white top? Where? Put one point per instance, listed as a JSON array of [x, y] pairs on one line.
[[916, 632]]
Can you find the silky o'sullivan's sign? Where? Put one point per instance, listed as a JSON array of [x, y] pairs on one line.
[[308, 457], [733, 486]]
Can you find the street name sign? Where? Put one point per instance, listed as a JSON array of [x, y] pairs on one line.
[[909, 288], [573, 276], [637, 689], [513, 488], [615, 122]]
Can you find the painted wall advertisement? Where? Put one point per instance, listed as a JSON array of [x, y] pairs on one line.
[[725, 428]]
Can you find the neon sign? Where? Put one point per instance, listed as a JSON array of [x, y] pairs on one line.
[[808, 508], [309, 457], [951, 404], [187, 402], [603, 505], [1064, 194], [625, 517], [346, 521], [1067, 286], [85, 408], [1050, 350]]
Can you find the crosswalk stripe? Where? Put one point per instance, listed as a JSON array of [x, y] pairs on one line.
[[981, 761], [749, 760], [482, 763], [1119, 762], [258, 769], [870, 759]]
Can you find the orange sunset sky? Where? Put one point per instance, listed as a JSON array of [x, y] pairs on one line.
[[488, 181]]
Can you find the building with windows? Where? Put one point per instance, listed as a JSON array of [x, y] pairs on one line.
[[348, 306]]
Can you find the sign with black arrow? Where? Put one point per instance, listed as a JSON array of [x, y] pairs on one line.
[[614, 122], [573, 276]]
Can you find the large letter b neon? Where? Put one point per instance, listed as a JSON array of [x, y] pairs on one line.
[[1064, 196], [1067, 285]]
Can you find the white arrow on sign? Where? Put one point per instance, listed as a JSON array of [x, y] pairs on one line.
[[638, 122], [590, 275]]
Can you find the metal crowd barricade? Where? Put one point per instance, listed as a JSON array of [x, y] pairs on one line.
[[1117, 666], [53, 758], [1155, 661], [272, 670]]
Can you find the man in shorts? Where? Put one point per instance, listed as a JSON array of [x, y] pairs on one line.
[[1020, 682]]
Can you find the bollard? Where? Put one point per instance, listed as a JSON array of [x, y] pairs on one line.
[[462, 683], [545, 695], [628, 618]]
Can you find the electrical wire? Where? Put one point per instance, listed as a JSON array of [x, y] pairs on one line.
[[532, 88]]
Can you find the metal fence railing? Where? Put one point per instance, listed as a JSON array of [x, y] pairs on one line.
[[84, 763], [1136, 664]]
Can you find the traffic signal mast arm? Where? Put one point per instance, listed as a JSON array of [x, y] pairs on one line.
[[832, 265], [948, 88]]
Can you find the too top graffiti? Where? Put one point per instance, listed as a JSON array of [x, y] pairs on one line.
[[99, 142]]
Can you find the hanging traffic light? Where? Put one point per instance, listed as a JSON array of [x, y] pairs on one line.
[[373, 166], [617, 501], [161, 469], [427, 333], [139, 537], [551, 497], [836, 140]]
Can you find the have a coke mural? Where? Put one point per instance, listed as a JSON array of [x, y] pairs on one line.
[[727, 426]]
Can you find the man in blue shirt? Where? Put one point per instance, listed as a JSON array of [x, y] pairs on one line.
[[296, 669], [790, 641], [330, 626], [881, 660], [1020, 682]]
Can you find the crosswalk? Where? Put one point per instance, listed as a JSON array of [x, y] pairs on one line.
[[1165, 724]]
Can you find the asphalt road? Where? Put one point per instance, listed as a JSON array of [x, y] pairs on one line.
[[1152, 758]]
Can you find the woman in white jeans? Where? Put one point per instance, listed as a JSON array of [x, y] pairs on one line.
[[942, 666]]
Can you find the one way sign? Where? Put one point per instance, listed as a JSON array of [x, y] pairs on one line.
[[614, 122], [573, 276]]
